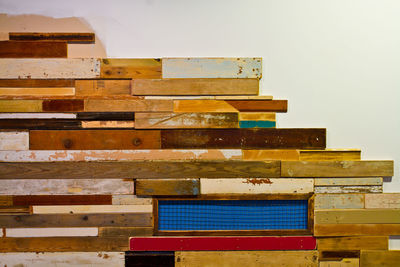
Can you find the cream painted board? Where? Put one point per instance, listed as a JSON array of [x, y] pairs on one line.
[[14, 140], [49, 232], [349, 189], [348, 181], [339, 201], [379, 201], [131, 200], [77, 209]]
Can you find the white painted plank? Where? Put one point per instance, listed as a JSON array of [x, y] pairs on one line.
[[37, 116], [14, 141], [52, 232], [348, 181], [131, 200], [78, 209], [349, 189]]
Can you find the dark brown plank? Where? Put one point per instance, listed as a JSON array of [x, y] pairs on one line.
[[149, 259], [63, 105], [94, 139], [140, 169], [270, 138], [12, 49], [170, 187], [37, 124], [106, 116], [338, 255], [36, 83], [70, 37], [62, 200], [259, 105]]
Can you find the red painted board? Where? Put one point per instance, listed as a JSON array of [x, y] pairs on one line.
[[222, 243]]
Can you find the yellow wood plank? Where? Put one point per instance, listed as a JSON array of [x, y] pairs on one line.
[[20, 105], [102, 87], [355, 216], [51, 91], [271, 154], [339, 201], [257, 116], [369, 258], [330, 154], [353, 243], [356, 229], [202, 106]]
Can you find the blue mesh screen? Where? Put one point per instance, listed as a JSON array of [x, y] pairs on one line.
[[232, 214]]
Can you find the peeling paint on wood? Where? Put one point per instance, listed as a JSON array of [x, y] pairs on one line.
[[14, 140], [349, 189], [348, 181], [47, 232], [88, 209]]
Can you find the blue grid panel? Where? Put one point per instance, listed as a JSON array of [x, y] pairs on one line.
[[175, 215]]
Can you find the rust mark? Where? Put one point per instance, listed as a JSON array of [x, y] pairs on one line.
[[4, 232], [240, 70], [105, 256], [99, 255], [259, 181]]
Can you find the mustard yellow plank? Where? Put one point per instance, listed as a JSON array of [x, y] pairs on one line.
[[353, 243], [369, 258], [51, 91], [335, 154], [257, 116], [202, 106], [354, 216], [20, 105]]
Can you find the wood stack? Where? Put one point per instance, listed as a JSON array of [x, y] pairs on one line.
[[89, 146]]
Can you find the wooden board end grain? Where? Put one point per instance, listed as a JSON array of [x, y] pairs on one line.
[[167, 187]]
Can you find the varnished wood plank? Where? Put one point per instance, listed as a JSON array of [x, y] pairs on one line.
[[40, 124], [185, 120], [49, 68], [11, 49], [259, 105], [356, 216], [37, 116], [30, 200], [11, 210], [125, 231], [243, 97], [337, 168], [339, 201], [246, 258], [271, 154], [14, 140], [244, 138], [37, 83], [257, 116], [349, 189], [218, 106], [63, 105], [337, 255], [353, 243], [94, 139], [21, 105], [130, 68], [40, 91], [108, 124], [348, 181], [70, 37], [102, 87], [106, 116], [140, 105], [140, 169], [89, 209], [212, 68], [379, 258], [382, 201], [48, 232], [6, 201], [356, 229], [340, 263], [330, 154], [197, 86], [167, 187]]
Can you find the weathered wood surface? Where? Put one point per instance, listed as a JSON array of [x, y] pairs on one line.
[[257, 124], [70, 37], [271, 154], [132, 105], [259, 105], [339, 201], [76, 220], [217, 106], [337, 168], [21, 105], [106, 116], [256, 186], [353, 243], [340, 263], [140, 169], [125, 231], [6, 200], [94, 139], [48, 232], [244, 138], [212, 68], [337, 255], [195, 87], [40, 124], [49, 68], [185, 120], [356, 229], [89, 209], [356, 216], [246, 258], [62, 259], [39, 116], [382, 201], [40, 91], [10, 49], [131, 200], [370, 258], [70, 105], [37, 83], [131, 68], [257, 116], [348, 181], [14, 210], [330, 154], [349, 189], [30, 200], [14, 140], [167, 187], [102, 87], [108, 124], [63, 244]]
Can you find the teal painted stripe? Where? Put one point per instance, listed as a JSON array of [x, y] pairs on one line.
[[257, 124]]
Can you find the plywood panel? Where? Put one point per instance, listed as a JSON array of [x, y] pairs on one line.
[[356, 229], [353, 243], [131, 68], [102, 87], [125, 231], [348, 181], [47, 232], [10, 49], [259, 105], [88, 209], [70, 37], [167, 187], [379, 258], [331, 154], [14, 140], [217, 106], [21, 105], [349, 189], [355, 216], [339, 201], [132, 105], [381, 201]]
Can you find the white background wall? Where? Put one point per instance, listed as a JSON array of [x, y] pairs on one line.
[[337, 62]]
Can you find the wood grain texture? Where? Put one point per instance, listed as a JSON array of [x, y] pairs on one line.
[[108, 124], [132, 105], [10, 49], [197, 86], [94, 139], [243, 97], [102, 87], [21, 105], [30, 200], [6, 200], [337, 168], [63, 105], [357, 216], [257, 116], [37, 83], [244, 138], [131, 200], [337, 255], [140, 169], [40, 124], [356, 229], [349, 189], [125, 231], [37, 116], [70, 37], [379, 258], [142, 68], [353, 243], [339, 201], [271, 154], [340, 263], [246, 258], [212, 68], [185, 120], [40, 91], [382, 201], [330, 154], [14, 210], [167, 187], [14, 140], [348, 181], [106, 116], [48, 232], [49, 68], [259, 105], [218, 106], [89, 209]]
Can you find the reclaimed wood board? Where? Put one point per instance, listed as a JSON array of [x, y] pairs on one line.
[[69, 105], [167, 187], [10, 49], [38, 116], [257, 124], [130, 68], [353, 243], [125, 231], [21, 105], [259, 105], [357, 216], [339, 201], [131, 105], [89, 209], [40, 91], [349, 189], [14, 140], [356, 229], [6, 200], [106, 116], [30, 200], [131, 200], [341, 263], [197, 86], [14, 210], [371, 258], [330, 154], [348, 181], [149, 259], [37, 83], [40, 124], [382, 201], [271, 154], [338, 255], [102, 87], [70, 37], [190, 106], [108, 124], [55, 231], [257, 116]]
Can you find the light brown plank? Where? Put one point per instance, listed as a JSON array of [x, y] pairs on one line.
[[336, 154], [355, 216], [131, 200], [348, 181], [342, 263], [382, 201], [356, 229], [167, 187], [134, 105], [20, 105], [102, 87], [369, 258], [125, 231], [21, 49], [217, 106], [108, 124], [271, 154], [339, 201], [141, 68], [56, 91], [353, 243]]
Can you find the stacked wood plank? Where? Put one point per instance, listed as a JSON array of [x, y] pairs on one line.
[[88, 147]]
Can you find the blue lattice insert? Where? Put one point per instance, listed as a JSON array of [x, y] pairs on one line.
[[175, 215]]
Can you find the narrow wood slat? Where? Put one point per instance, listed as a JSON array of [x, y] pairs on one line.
[[49, 232], [30, 200], [40, 91], [134, 105], [63, 105], [125, 231], [348, 181], [14, 140], [167, 187], [190, 106], [259, 105], [349, 189], [271, 154], [89, 209], [257, 124], [11, 49], [353, 243], [21, 105], [339, 201], [243, 97], [338, 255], [11, 210], [330, 154], [119, 68], [379, 258], [356, 229], [106, 116], [102, 87], [108, 124], [197, 86], [355, 216], [340, 263], [382, 201], [6, 200], [41, 124], [37, 83], [27, 116], [131, 200], [153, 259], [257, 116], [70, 37]]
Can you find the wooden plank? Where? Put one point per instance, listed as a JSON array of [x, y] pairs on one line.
[[10, 49], [355, 216], [153, 259], [63, 105], [30, 200], [195, 86], [246, 258], [61, 259], [337, 255], [37, 116], [21, 105], [259, 105], [257, 124], [222, 243], [108, 124], [49, 68], [185, 120], [66, 187], [340, 263], [379, 258], [243, 97], [339, 201], [102, 87], [132, 105], [330, 154], [94, 139], [89, 209], [40, 124], [382, 201], [6, 201], [47, 232], [131, 200], [76, 220], [14, 140], [70, 37], [218, 106], [356, 229], [37, 83], [256, 186], [353, 243], [257, 116], [125, 231], [366, 168], [244, 138], [40, 91], [211, 68], [63, 244], [140, 169], [130, 68], [348, 181], [12, 210], [106, 116], [167, 187], [349, 189], [271, 154]]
